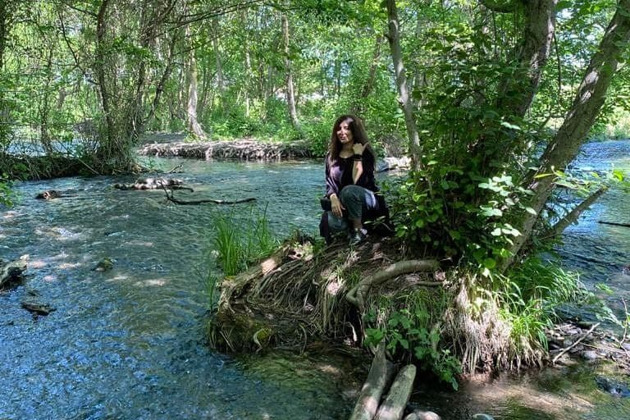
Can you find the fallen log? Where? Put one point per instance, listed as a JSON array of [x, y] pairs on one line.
[[394, 405], [381, 373], [154, 184]]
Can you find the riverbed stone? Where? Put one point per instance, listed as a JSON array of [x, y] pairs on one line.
[[589, 355], [423, 415]]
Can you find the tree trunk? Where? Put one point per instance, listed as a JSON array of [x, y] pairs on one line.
[[191, 109], [517, 89], [289, 76], [166, 74], [44, 106], [248, 65], [5, 17], [394, 405], [586, 106], [368, 86], [100, 71], [217, 58], [381, 373], [401, 84], [4, 30]]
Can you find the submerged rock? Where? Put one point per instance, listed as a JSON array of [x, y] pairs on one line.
[[614, 387]]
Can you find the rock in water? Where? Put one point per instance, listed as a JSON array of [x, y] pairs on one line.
[[105, 264]]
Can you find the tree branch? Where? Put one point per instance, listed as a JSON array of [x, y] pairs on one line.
[[573, 215]]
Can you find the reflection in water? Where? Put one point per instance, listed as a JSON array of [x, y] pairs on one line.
[[129, 342]]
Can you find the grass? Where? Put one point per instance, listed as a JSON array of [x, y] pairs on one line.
[[239, 241]]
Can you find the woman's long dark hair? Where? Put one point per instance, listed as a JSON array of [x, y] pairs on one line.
[[358, 135]]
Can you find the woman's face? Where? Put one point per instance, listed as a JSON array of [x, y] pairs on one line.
[[344, 134]]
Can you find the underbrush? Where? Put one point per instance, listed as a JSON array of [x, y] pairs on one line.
[[474, 322]]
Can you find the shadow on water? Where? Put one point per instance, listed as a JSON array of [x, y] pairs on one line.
[[130, 342]]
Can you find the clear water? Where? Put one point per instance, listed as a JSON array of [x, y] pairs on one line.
[[129, 343]]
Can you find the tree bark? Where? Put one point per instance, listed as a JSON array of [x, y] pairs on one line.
[[574, 214], [517, 90], [99, 68], [217, 58], [394, 405], [290, 94], [580, 118], [4, 29], [381, 373], [368, 86], [191, 109], [401, 84]]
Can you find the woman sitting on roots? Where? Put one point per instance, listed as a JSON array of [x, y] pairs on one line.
[[350, 184]]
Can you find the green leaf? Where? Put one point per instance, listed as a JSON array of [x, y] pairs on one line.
[[489, 263]]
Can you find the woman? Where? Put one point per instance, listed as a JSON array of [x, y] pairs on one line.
[[350, 184]]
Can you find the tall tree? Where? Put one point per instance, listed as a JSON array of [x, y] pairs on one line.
[[401, 83], [578, 121], [290, 94]]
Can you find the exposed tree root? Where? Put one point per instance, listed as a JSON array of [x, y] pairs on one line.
[[358, 293]]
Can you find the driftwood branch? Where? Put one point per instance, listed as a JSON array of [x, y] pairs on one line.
[[559, 355], [171, 198], [574, 214], [357, 295], [381, 373]]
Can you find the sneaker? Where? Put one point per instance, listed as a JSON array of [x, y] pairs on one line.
[[357, 236]]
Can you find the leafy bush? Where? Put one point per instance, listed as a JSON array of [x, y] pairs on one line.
[[412, 331]]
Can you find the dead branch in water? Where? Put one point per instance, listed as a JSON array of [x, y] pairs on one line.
[[171, 198], [614, 223], [357, 295]]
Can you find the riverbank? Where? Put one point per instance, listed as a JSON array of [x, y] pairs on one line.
[[245, 150]]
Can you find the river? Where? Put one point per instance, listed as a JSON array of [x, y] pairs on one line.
[[129, 343]]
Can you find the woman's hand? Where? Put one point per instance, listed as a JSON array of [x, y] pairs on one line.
[[358, 148], [337, 207]]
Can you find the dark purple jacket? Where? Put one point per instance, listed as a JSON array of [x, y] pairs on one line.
[[339, 174]]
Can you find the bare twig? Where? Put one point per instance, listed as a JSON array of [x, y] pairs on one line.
[[559, 355]]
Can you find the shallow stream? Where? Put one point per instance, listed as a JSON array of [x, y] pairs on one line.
[[129, 343]]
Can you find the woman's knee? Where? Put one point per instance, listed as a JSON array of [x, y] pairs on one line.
[[351, 193]]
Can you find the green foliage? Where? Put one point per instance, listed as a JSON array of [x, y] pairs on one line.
[[459, 214], [7, 195], [413, 331], [530, 297], [238, 242]]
